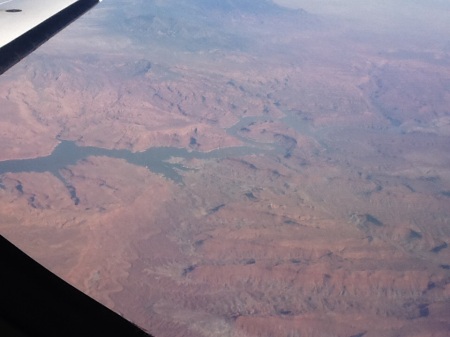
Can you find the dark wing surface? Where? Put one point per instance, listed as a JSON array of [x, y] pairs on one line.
[[26, 24], [36, 303]]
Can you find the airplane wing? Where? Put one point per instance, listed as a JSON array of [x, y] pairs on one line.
[[26, 24], [35, 302]]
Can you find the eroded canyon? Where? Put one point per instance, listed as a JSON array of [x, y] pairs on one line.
[[312, 195]]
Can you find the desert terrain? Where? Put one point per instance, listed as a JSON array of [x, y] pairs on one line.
[[303, 181]]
